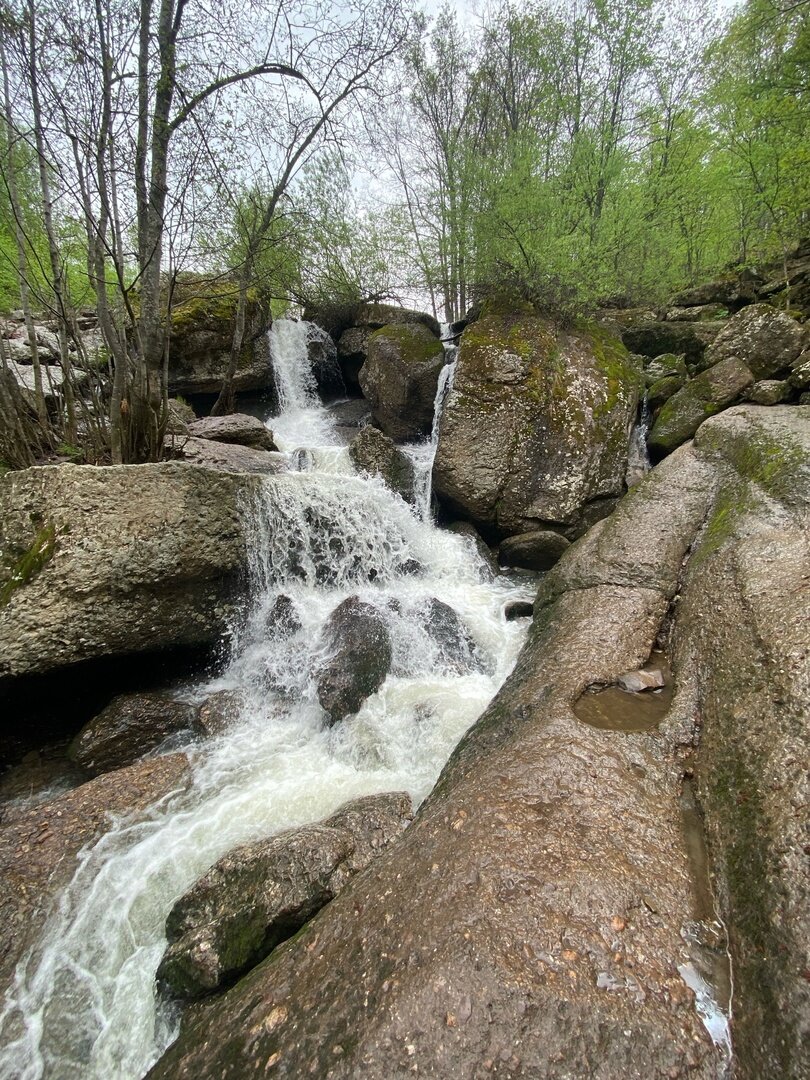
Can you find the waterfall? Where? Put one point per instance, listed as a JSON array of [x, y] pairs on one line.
[[638, 458], [302, 420], [84, 1003], [423, 455]]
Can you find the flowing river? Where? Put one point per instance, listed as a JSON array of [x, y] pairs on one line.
[[84, 1003]]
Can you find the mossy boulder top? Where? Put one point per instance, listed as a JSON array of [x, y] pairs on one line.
[[536, 426], [202, 325], [400, 378]]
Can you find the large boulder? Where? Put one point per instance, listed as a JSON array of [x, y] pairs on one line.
[[358, 658], [733, 292], [538, 550], [239, 428], [542, 916], [743, 622], [536, 427], [99, 562], [39, 849], [376, 316], [400, 377], [262, 893], [764, 339], [708, 393], [129, 727], [202, 325], [374, 453]]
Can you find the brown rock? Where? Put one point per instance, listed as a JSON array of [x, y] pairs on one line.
[[129, 727], [236, 428]]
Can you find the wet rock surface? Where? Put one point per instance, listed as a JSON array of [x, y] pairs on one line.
[[118, 560], [374, 453], [260, 894], [129, 727], [531, 916], [358, 650], [400, 377], [536, 426], [457, 649], [39, 849], [238, 428]]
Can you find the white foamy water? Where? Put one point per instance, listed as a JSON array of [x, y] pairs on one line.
[[84, 1004]]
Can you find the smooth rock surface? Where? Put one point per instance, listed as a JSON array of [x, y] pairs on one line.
[[533, 550], [260, 894], [537, 424], [742, 634], [400, 377], [140, 557], [129, 727]]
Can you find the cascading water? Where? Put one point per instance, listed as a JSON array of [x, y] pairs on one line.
[[638, 458], [423, 455], [84, 1003]]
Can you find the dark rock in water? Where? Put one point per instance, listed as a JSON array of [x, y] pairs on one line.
[[353, 413], [225, 457], [129, 727], [374, 453], [634, 682], [537, 423], [323, 362], [238, 428], [518, 609], [466, 528], [458, 651], [533, 550], [767, 341], [142, 558], [219, 712], [715, 389], [400, 378], [283, 617], [359, 647], [352, 351], [260, 894], [51, 836]]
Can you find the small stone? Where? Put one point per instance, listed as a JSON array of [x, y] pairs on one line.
[[645, 679]]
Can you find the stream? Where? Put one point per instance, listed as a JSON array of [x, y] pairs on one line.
[[84, 1003]]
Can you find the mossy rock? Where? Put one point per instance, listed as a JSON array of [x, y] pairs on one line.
[[400, 377], [536, 426]]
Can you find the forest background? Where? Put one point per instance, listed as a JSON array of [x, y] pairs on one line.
[[318, 155]]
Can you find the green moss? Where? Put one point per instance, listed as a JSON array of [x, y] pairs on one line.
[[24, 569], [416, 343], [781, 468], [613, 360]]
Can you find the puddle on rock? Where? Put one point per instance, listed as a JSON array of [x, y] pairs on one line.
[[707, 970], [614, 709]]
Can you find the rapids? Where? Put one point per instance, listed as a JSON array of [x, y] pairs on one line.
[[84, 1003]]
